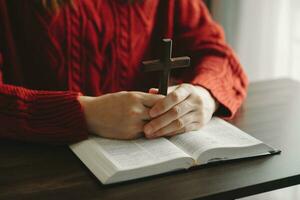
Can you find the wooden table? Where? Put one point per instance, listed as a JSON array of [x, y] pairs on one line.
[[271, 113]]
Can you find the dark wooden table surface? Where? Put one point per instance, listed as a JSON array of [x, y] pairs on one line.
[[271, 113]]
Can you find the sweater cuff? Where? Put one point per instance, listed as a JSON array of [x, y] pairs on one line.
[[41, 116], [63, 113], [215, 74]]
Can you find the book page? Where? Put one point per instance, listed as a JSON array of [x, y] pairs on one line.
[[216, 134], [139, 153]]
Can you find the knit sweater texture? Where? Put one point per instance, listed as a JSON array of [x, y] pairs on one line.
[[95, 47]]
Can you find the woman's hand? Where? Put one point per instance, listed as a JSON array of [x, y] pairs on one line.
[[185, 108], [119, 115]]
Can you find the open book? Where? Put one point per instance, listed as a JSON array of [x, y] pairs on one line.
[[114, 161]]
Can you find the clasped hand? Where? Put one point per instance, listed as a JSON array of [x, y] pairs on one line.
[[185, 108], [129, 115]]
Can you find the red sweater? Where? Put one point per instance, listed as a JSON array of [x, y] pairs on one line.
[[96, 47]]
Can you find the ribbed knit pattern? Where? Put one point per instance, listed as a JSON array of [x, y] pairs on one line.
[[222, 84], [43, 116], [96, 47]]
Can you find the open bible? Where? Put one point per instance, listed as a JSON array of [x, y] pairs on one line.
[[114, 161]]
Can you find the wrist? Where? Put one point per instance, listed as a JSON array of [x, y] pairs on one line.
[[85, 102]]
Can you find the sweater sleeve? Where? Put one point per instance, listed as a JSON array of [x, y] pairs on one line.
[[40, 116], [214, 65]]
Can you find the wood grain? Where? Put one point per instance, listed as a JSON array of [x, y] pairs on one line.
[[271, 113]]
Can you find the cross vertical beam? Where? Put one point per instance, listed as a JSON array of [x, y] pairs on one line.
[[165, 64], [166, 60]]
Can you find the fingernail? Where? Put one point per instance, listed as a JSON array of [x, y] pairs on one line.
[[148, 130]]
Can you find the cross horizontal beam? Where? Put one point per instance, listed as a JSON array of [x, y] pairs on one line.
[[165, 64], [157, 65]]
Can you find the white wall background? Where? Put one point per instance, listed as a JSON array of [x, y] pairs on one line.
[[265, 35]]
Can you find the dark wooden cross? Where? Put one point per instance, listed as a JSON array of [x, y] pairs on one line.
[[165, 64]]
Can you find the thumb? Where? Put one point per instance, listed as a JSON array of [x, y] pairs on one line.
[[150, 99]]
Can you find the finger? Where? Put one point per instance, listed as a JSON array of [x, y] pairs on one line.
[[194, 126], [191, 127], [132, 136], [172, 88], [139, 112], [145, 114], [174, 113], [149, 100], [153, 91], [175, 126], [175, 133], [175, 97]]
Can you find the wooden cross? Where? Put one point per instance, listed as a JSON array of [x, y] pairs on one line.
[[165, 64]]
